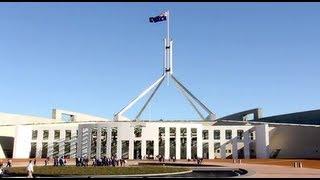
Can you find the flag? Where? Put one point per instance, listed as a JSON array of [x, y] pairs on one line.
[[161, 17]]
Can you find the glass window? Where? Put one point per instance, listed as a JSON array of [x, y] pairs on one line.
[[216, 147], [216, 134], [45, 134], [240, 134], [55, 149], [138, 131], [183, 132], [252, 136], [228, 134], [67, 149], [57, 134], [34, 134], [172, 131], [68, 134], [205, 134], [193, 132]]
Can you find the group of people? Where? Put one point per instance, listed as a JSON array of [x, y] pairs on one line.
[[59, 161], [113, 161], [161, 158]]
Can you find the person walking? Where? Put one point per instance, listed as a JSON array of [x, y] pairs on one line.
[[30, 169]]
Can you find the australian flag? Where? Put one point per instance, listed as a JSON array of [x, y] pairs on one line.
[[161, 17]]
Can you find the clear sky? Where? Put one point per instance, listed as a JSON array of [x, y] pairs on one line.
[[95, 57]]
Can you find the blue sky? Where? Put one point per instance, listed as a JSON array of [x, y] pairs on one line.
[[95, 57]]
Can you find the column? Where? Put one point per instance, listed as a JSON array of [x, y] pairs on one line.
[[211, 144], [108, 152], [39, 147], [143, 148], [223, 143], [262, 141], [131, 149], [156, 146], [234, 148], [178, 143], [246, 144], [199, 143], [188, 143], [50, 142], [74, 144], [167, 143], [79, 141], [98, 148], [61, 142], [119, 146]]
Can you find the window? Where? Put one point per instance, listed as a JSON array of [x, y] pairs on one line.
[[183, 132], [240, 134], [67, 149], [57, 134], [33, 150], [193, 132], [45, 134], [205, 134], [68, 134], [34, 134], [228, 134], [138, 131], [216, 147], [55, 149], [252, 136], [67, 117], [172, 132], [44, 152], [216, 134]]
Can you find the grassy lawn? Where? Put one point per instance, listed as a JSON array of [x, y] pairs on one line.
[[73, 170]]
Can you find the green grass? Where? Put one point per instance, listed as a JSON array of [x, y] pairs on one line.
[[73, 170]]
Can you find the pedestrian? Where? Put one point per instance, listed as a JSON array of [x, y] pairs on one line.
[[45, 162], [9, 163], [30, 169]]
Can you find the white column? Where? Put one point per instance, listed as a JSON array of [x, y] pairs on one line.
[[62, 141], [131, 149], [156, 146], [199, 143], [188, 143], [108, 152], [167, 143], [39, 148], [262, 141], [98, 148], [119, 145], [178, 143], [73, 142], [246, 144], [89, 135], [223, 143], [211, 144], [22, 141], [79, 141], [234, 148], [50, 142], [143, 148]]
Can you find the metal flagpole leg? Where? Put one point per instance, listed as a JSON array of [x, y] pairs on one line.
[[138, 97], [190, 101], [147, 102], [199, 102]]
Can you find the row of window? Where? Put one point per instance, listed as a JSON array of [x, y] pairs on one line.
[[45, 134], [56, 148], [205, 133]]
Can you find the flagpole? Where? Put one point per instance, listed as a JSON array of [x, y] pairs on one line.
[[168, 42]]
